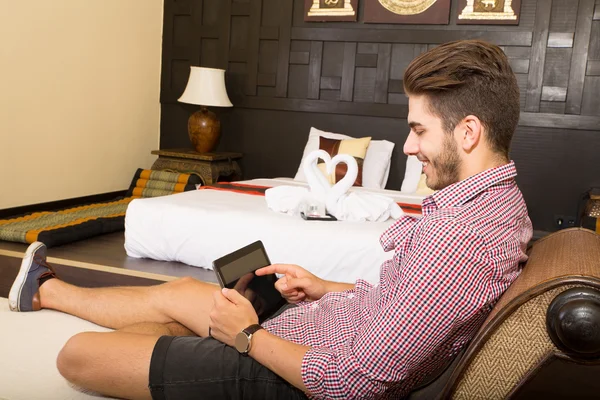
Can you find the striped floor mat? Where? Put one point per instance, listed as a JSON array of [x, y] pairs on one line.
[[77, 223]]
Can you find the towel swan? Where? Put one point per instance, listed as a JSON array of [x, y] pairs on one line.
[[353, 206], [317, 182], [344, 185], [357, 206], [289, 199]]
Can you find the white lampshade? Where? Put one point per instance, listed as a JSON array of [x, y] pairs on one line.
[[206, 87]]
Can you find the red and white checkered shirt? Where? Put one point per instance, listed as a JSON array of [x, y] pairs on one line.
[[448, 270]]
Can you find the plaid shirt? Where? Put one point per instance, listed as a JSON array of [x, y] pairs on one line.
[[448, 270]]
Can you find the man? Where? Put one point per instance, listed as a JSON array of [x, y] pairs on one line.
[[341, 340]]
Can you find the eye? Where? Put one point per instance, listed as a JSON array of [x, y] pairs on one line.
[[419, 132]]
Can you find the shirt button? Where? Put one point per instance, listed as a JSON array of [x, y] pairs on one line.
[[314, 305], [351, 295]]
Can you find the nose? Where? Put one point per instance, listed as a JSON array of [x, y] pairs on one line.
[[411, 146]]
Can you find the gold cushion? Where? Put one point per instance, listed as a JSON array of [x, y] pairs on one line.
[[357, 148]]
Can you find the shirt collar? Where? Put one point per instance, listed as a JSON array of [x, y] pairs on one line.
[[459, 193]]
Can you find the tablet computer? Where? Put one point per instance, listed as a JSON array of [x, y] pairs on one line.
[[236, 271]]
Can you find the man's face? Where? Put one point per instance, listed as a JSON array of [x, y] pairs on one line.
[[434, 147]]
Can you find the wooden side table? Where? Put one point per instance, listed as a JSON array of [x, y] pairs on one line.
[[210, 167]]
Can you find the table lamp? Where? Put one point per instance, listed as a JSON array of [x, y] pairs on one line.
[[205, 87]]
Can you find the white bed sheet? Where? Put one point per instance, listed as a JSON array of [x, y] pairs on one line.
[[200, 226]]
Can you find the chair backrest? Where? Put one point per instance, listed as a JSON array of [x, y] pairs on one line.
[[434, 385], [514, 345]]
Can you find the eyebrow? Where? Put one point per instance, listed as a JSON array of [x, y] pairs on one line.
[[413, 124]]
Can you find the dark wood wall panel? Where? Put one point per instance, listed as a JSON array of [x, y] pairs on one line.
[[564, 16], [285, 38], [594, 49], [560, 39], [253, 45], [590, 103], [578, 63], [384, 53], [298, 88], [364, 85], [558, 63], [547, 158], [314, 69], [333, 52], [224, 32], [348, 71], [552, 107], [409, 36], [522, 81], [538, 55], [285, 75]]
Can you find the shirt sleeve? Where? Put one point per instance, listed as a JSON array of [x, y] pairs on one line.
[[440, 282], [362, 287]]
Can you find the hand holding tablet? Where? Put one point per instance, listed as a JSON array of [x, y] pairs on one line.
[[236, 271]]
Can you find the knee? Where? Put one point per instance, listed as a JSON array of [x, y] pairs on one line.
[[184, 282], [180, 285], [71, 360]]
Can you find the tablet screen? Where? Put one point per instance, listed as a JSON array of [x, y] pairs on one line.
[[236, 271]]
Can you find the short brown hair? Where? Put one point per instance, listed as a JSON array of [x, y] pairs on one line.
[[468, 77]]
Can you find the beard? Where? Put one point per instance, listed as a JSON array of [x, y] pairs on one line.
[[445, 166]]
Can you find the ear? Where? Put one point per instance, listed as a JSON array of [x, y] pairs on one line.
[[469, 132]]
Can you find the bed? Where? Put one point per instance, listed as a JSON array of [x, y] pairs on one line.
[[200, 226]]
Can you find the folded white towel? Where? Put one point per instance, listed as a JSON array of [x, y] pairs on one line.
[[286, 199], [360, 206], [355, 206]]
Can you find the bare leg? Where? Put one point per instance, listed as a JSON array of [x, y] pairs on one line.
[[116, 364], [186, 301], [158, 329]]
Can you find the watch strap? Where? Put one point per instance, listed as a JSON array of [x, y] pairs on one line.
[[252, 329]]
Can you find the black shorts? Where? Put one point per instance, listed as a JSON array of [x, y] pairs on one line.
[[190, 367]]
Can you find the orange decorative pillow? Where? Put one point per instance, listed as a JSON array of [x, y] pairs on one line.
[[357, 148]]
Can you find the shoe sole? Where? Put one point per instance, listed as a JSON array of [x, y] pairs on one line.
[[14, 297]]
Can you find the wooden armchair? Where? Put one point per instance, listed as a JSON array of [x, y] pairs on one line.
[[542, 339]]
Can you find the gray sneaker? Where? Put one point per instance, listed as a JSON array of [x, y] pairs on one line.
[[24, 294]]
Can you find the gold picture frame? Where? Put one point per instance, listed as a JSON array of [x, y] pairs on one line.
[[489, 12], [330, 10], [407, 11]]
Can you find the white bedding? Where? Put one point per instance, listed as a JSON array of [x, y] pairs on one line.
[[200, 226]]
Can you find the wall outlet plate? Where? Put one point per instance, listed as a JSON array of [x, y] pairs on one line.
[[564, 221]]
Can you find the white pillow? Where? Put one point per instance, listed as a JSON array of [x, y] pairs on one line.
[[414, 167], [376, 167]]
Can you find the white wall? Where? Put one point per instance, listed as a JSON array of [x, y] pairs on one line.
[[79, 96]]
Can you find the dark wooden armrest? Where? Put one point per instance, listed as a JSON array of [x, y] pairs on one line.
[[573, 322]]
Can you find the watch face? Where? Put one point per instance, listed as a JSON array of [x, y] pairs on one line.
[[242, 342]]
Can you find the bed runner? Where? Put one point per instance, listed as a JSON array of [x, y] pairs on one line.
[[257, 190]]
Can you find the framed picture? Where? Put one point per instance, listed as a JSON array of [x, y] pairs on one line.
[[496, 12], [407, 11], [330, 10]]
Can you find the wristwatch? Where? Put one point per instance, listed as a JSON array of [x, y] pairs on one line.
[[243, 340]]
